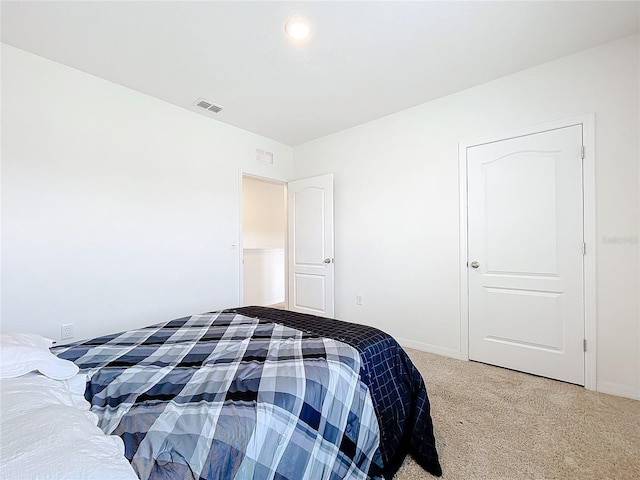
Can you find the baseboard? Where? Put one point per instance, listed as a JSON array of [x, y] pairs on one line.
[[602, 387], [618, 390], [426, 347]]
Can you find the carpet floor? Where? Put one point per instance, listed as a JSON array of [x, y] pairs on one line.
[[496, 424]]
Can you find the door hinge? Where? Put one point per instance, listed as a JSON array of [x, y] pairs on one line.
[[584, 345], [583, 248], [582, 152]]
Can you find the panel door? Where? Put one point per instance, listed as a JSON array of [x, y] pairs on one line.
[[525, 242], [311, 267]]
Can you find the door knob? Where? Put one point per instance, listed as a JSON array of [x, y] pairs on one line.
[[475, 264], [327, 260]]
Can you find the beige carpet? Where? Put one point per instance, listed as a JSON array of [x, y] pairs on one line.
[[493, 423]]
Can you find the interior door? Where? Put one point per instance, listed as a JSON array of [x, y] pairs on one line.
[[525, 253], [310, 246]]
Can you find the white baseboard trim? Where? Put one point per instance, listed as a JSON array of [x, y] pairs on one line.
[[602, 387], [426, 347], [618, 390]]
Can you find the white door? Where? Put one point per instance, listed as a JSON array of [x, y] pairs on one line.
[[525, 254], [311, 268]]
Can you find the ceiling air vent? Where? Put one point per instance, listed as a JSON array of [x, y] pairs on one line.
[[202, 103]]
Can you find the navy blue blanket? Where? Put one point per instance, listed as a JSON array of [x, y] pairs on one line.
[[397, 388]]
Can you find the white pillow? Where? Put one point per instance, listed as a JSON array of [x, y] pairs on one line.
[[48, 432], [22, 353]]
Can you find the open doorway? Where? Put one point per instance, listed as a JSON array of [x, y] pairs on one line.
[[264, 232]]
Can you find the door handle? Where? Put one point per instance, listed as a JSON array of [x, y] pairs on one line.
[[327, 260], [475, 264]]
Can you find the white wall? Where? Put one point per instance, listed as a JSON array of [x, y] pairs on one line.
[[264, 214], [397, 201], [118, 209], [264, 276]]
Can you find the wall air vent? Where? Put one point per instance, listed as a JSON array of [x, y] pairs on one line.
[[264, 157], [202, 103]]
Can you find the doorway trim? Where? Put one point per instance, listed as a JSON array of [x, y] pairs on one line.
[[589, 224]]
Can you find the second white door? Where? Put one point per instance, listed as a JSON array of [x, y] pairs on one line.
[[525, 252], [311, 267]]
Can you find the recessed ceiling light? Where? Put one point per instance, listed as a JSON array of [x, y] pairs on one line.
[[298, 28]]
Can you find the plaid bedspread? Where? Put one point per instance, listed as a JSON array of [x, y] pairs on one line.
[[229, 396], [397, 389]]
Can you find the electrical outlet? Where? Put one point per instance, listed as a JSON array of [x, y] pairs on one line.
[[66, 331]]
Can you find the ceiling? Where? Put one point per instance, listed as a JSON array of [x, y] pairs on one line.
[[363, 61]]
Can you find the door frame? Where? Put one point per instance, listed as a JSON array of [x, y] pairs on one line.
[[240, 243], [589, 224]]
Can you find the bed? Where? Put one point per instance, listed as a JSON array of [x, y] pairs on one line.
[[255, 392]]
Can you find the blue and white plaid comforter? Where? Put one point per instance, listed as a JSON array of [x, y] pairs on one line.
[[226, 396]]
